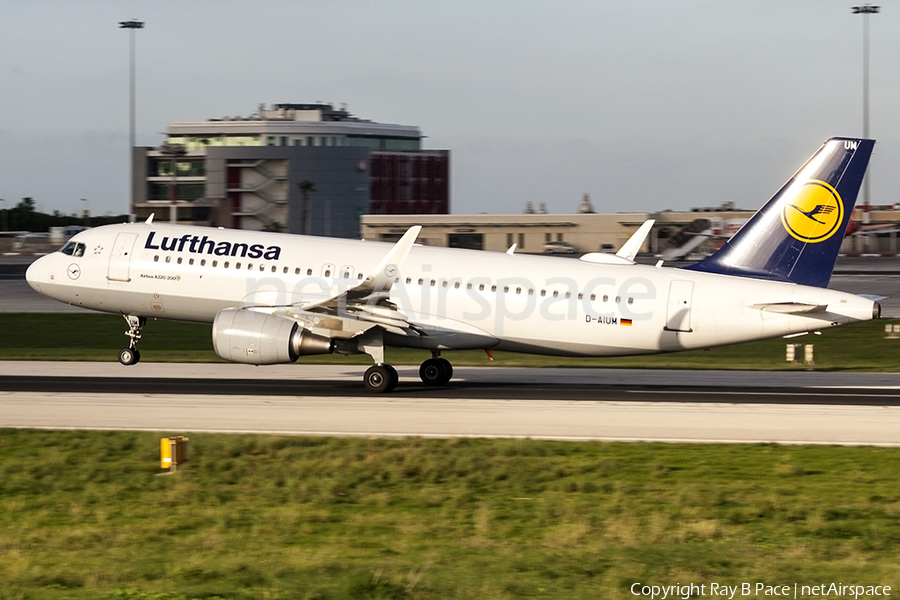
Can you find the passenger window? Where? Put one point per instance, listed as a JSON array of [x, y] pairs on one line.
[[309, 272], [156, 258], [179, 260], [202, 262], [168, 259], [297, 271], [263, 267], [238, 265]]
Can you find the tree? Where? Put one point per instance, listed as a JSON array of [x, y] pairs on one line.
[[25, 206]]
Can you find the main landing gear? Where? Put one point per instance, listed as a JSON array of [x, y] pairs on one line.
[[131, 355], [382, 378], [436, 371]]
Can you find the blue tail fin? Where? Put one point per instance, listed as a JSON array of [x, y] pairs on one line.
[[797, 235]]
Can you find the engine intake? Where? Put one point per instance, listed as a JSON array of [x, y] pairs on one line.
[[255, 338]]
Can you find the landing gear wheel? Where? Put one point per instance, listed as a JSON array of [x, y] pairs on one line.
[[129, 356], [395, 378], [436, 371], [380, 378]]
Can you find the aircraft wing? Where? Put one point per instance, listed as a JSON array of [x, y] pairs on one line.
[[369, 301]]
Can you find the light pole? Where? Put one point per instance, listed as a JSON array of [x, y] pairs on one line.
[[5, 217], [132, 25], [865, 11], [174, 152], [86, 212]]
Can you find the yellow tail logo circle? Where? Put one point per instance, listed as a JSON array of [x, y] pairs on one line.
[[813, 213]]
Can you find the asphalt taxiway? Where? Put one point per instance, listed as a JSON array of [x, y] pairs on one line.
[[567, 404]]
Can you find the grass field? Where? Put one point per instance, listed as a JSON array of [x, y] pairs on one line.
[[87, 515], [859, 347]]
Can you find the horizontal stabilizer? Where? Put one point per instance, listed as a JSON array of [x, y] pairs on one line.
[[790, 308]]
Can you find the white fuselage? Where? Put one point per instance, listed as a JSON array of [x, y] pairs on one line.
[[459, 298]]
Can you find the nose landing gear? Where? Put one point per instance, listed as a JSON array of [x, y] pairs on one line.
[[131, 355]]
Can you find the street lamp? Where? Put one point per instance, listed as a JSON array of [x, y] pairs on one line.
[[132, 25], [865, 11], [5, 217], [86, 212], [174, 152]]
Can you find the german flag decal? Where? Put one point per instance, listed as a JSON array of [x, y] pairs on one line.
[[625, 322]]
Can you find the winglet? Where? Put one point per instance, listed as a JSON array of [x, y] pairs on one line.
[[630, 248], [149, 219], [382, 276], [512, 249]]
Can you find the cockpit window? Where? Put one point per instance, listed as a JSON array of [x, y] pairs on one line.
[[73, 249]]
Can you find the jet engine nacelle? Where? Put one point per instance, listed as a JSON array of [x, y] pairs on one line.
[[255, 338]]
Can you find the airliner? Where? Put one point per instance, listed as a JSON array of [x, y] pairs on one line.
[[273, 298]]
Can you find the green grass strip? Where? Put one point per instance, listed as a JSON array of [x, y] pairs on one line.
[[88, 515], [98, 337]]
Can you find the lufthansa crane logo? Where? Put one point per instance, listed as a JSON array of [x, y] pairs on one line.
[[814, 213]]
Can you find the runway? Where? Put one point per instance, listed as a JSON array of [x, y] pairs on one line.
[[565, 404]]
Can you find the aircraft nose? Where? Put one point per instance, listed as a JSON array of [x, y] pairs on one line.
[[34, 274]]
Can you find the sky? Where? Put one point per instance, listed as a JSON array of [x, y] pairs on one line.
[[645, 106]]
